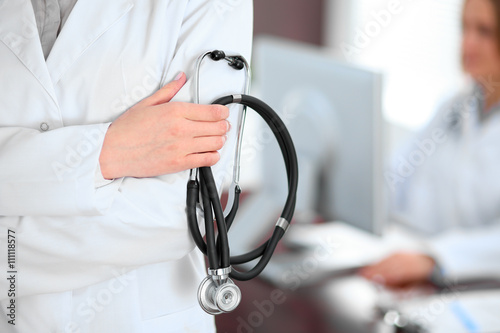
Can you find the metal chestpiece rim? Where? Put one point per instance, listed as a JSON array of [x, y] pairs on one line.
[[217, 293]]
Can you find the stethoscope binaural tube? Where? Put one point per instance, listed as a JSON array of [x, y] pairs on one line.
[[217, 292]]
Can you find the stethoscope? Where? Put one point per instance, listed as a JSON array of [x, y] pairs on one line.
[[217, 292]]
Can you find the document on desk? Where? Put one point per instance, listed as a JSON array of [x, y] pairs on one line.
[[350, 247], [457, 312], [329, 249], [347, 246]]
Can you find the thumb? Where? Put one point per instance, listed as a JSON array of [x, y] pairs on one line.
[[168, 91]]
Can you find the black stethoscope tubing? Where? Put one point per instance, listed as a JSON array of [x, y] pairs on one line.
[[204, 190]]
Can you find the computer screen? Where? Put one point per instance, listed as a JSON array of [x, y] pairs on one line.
[[333, 111]]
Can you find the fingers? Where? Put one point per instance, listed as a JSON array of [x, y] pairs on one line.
[[400, 269], [168, 91], [381, 268], [375, 273], [206, 128], [207, 144], [188, 130], [196, 112], [199, 112], [208, 159], [204, 152], [385, 271]]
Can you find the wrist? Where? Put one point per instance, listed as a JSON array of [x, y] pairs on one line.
[[107, 158]]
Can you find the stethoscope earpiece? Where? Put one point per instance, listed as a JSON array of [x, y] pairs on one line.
[[217, 55], [237, 64], [234, 61]]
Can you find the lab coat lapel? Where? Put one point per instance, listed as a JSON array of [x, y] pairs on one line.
[[88, 20], [18, 31]]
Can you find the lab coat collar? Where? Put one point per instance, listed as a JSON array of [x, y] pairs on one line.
[[481, 94], [88, 20], [18, 31]]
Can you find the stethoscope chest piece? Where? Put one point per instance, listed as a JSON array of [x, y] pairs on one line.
[[218, 294]]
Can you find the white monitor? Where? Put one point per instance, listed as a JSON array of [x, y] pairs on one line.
[[333, 111]]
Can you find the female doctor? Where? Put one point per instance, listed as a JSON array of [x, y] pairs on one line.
[[453, 196], [94, 159]]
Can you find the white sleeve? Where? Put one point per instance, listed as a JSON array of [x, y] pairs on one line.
[[401, 172], [146, 222], [468, 253], [52, 173]]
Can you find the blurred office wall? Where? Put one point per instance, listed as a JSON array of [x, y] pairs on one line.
[[416, 47], [415, 44], [300, 20]]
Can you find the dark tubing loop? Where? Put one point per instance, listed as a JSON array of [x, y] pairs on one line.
[[213, 256], [192, 195], [218, 251]]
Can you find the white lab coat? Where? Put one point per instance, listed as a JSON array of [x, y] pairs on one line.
[[446, 185], [94, 256]]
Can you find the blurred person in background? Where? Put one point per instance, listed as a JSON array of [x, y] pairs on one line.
[[446, 183]]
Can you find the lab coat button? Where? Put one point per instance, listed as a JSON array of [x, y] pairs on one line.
[[44, 127]]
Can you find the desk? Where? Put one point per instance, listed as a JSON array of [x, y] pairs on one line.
[[323, 262], [285, 311], [457, 311]]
